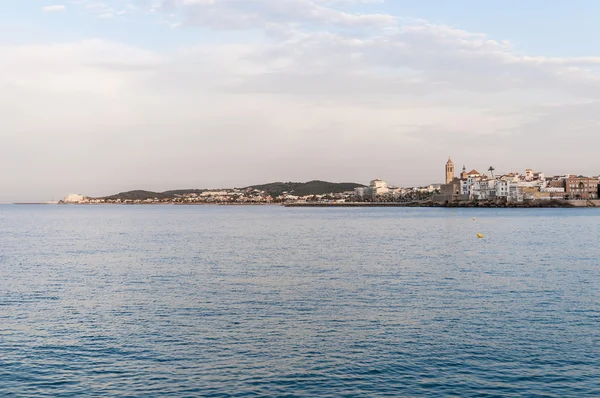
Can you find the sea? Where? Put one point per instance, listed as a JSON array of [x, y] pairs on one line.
[[267, 301]]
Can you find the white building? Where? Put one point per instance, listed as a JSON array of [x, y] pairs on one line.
[[484, 189], [74, 198], [396, 192], [362, 191], [515, 192], [214, 193], [464, 188], [471, 181], [528, 174], [552, 189], [501, 189], [379, 187], [548, 193]]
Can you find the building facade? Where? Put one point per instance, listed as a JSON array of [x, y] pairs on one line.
[[75, 198], [378, 187], [581, 187], [449, 192]]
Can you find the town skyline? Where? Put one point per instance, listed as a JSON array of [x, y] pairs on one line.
[[122, 187], [459, 185], [515, 187]]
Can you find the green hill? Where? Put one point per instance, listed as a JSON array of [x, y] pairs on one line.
[[275, 189], [306, 188], [171, 194], [143, 195], [138, 195]]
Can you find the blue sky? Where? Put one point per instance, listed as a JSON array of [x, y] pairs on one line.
[[549, 27], [220, 91]]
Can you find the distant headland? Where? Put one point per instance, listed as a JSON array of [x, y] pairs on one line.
[[276, 192], [469, 189]]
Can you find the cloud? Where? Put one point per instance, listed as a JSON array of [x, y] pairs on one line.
[[322, 93], [156, 119], [108, 9], [259, 14], [56, 8], [418, 59], [316, 38]]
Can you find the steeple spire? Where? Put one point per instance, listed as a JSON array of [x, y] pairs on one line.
[[449, 171]]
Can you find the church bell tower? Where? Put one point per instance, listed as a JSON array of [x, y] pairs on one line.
[[449, 171]]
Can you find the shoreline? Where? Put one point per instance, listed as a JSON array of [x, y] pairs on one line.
[[544, 204], [572, 204], [146, 204]]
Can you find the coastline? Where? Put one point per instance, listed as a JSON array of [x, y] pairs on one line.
[[571, 204], [480, 205], [147, 204]]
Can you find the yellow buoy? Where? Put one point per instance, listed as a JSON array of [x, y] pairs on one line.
[[473, 218], [480, 236]]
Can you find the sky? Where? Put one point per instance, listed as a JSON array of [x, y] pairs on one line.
[[103, 96]]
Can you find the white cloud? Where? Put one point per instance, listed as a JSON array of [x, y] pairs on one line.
[[258, 14], [316, 99], [108, 9], [56, 8]]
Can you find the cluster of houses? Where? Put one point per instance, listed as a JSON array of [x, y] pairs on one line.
[[378, 190], [247, 196], [515, 187]]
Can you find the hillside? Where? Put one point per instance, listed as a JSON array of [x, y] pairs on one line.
[[171, 194], [137, 195], [143, 195], [307, 188], [275, 189]]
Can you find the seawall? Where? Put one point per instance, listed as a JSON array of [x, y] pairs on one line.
[[482, 204]]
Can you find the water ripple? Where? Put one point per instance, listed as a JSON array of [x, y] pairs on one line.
[[254, 302]]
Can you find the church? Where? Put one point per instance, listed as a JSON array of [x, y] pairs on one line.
[[451, 190]]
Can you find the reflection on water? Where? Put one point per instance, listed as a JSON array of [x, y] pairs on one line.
[[250, 301]]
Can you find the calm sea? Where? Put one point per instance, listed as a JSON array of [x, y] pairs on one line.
[[266, 301]]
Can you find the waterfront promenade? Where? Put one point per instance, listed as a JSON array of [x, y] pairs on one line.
[[465, 204]]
